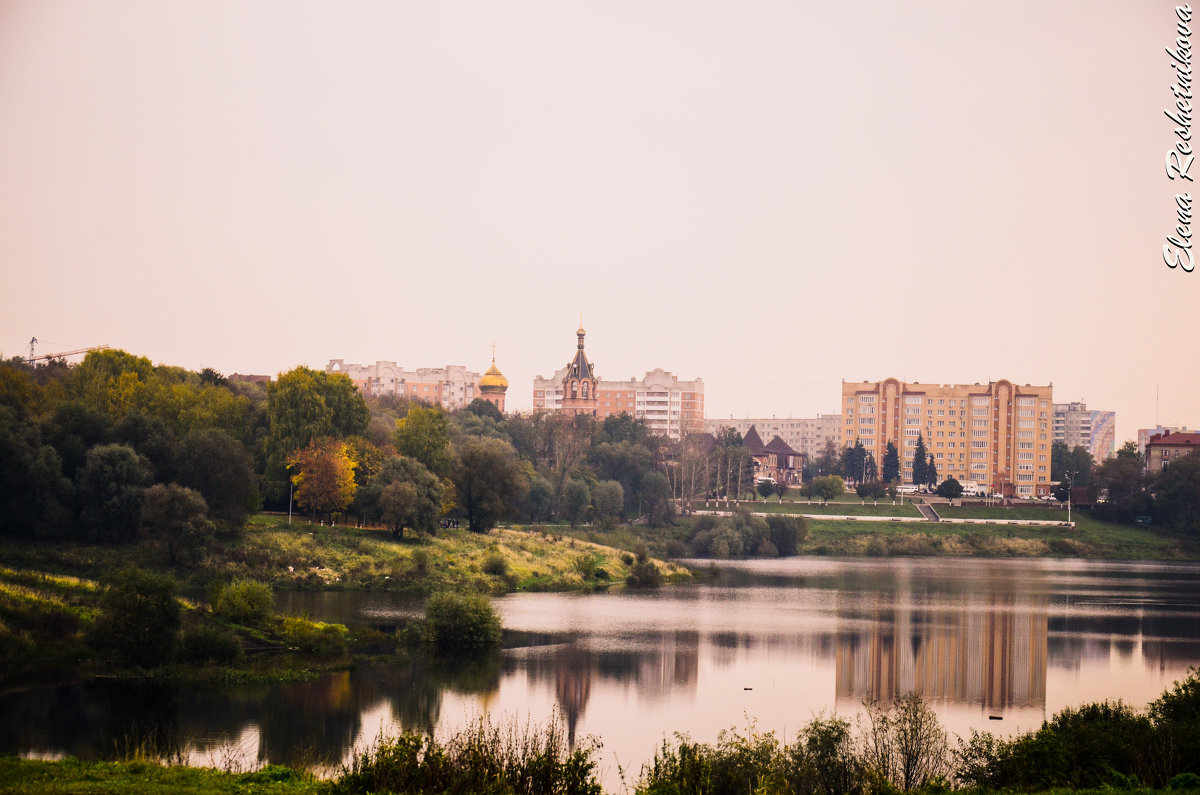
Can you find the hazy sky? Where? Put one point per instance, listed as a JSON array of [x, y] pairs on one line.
[[772, 196]]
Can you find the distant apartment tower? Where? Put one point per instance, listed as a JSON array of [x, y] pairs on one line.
[[671, 407], [806, 435], [1144, 434], [1076, 426], [996, 434], [451, 387]]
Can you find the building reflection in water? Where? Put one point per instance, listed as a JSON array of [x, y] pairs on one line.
[[990, 652]]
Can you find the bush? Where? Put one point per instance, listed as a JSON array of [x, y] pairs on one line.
[[457, 621], [139, 621], [316, 637], [420, 559], [585, 564], [204, 645], [787, 533], [483, 758], [495, 564], [243, 601], [737, 763], [644, 575]]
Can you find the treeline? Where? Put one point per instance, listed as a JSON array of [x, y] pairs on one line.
[[117, 448]]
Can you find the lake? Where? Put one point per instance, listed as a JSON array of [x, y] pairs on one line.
[[992, 644]]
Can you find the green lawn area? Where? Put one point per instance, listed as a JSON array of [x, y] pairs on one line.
[[1091, 538], [855, 508]]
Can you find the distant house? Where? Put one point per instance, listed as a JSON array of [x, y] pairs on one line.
[[775, 460], [1166, 447]]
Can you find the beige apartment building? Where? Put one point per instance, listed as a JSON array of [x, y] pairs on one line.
[[671, 407], [997, 435], [451, 387], [806, 435]]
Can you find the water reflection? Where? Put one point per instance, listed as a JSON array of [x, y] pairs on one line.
[[777, 641]]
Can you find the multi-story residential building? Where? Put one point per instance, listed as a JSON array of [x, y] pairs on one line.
[[451, 387], [1076, 426], [997, 434], [806, 435], [1164, 448], [1144, 434], [671, 407]]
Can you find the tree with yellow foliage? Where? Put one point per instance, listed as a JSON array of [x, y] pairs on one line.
[[323, 476]]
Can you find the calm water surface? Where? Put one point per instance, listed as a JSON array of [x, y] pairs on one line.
[[774, 642]]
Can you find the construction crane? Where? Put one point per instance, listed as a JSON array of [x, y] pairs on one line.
[[60, 355]]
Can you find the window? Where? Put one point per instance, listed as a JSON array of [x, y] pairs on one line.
[[941, 402], [912, 399], [1025, 456], [979, 433], [980, 401], [1025, 413], [1025, 434], [1026, 401], [866, 398], [941, 412], [978, 455], [1025, 445], [979, 423], [979, 444]]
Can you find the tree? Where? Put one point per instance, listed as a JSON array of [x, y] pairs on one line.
[[765, 488], [931, 473], [324, 476], [608, 501], [828, 487], [1077, 462], [919, 465], [540, 500], [215, 464], [110, 487], [781, 489], [950, 488], [485, 408], [870, 471], [891, 463], [139, 619], [1122, 477], [656, 494], [853, 461], [1177, 494], [403, 493], [576, 499], [488, 480], [425, 435], [177, 517]]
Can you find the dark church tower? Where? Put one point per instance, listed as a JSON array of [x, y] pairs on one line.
[[579, 384]]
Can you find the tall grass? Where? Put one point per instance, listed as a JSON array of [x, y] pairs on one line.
[[485, 757]]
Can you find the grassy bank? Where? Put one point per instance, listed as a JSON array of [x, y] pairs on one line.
[[312, 556]]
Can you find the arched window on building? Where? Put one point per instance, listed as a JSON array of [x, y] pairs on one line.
[[585, 386]]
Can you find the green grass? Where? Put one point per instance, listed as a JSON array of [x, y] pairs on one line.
[[137, 776]]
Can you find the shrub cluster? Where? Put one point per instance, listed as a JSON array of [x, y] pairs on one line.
[[460, 621], [482, 758], [742, 535], [243, 601]]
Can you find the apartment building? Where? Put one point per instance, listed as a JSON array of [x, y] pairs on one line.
[[1144, 434], [451, 387], [806, 435], [1077, 426], [996, 434], [670, 406], [1165, 447]]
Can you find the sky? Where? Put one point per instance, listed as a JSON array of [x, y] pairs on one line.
[[770, 196]]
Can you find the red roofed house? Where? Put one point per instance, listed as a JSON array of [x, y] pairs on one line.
[[1165, 447]]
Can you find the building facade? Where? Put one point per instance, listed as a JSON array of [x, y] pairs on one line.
[[670, 407], [451, 387], [1144, 434], [1076, 426], [1164, 448], [997, 435], [806, 435]]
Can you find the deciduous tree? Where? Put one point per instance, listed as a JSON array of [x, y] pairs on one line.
[[323, 476], [489, 482], [425, 435], [177, 518]]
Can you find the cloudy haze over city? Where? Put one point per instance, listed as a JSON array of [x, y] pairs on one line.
[[770, 196]]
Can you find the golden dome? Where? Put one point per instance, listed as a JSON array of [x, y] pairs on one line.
[[493, 379]]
